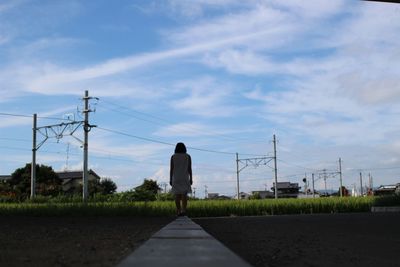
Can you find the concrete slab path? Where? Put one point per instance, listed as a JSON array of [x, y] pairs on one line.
[[183, 243]]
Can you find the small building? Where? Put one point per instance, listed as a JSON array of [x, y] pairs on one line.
[[286, 189], [4, 178], [217, 196], [242, 195], [264, 194], [72, 180], [384, 190], [212, 196]]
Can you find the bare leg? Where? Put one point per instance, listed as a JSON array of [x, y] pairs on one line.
[[184, 202], [178, 203]]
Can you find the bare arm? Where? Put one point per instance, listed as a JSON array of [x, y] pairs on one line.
[[190, 170], [171, 171]]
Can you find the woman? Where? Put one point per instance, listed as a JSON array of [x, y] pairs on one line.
[[180, 177]]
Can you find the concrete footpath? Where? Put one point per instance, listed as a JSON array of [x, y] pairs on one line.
[[183, 243]]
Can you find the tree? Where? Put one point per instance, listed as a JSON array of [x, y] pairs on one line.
[[149, 185], [47, 181], [345, 192], [107, 186], [146, 191], [255, 195], [166, 196]]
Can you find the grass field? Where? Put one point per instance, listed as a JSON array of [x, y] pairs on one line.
[[200, 208]]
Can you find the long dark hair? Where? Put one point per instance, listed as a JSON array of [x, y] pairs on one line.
[[180, 148]]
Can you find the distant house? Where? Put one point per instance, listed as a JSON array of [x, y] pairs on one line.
[[264, 193], [286, 189], [387, 190], [71, 180], [4, 178], [212, 195], [216, 196], [242, 195]]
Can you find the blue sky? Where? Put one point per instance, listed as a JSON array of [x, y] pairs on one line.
[[221, 75]]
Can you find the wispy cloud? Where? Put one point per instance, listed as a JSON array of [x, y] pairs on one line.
[[191, 9], [205, 97], [9, 4], [188, 129]]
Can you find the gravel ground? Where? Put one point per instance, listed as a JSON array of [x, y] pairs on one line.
[[362, 239], [72, 241]]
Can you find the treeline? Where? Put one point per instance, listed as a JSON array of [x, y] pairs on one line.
[[49, 188]]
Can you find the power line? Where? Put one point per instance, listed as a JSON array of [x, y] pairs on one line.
[[20, 140], [14, 115], [373, 169], [30, 116], [166, 143], [162, 121], [15, 139], [135, 136], [295, 165]]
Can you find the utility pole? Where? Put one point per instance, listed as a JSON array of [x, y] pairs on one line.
[[194, 192], [85, 146], [313, 190], [67, 161], [340, 176], [58, 131], [33, 165], [205, 192], [305, 184], [325, 177], [371, 183], [275, 170], [86, 128], [361, 185], [237, 175], [164, 184]]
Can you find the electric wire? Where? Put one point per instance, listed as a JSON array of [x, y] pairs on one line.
[[167, 143], [162, 121], [295, 165], [30, 116]]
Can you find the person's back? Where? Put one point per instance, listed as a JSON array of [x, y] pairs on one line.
[[180, 181], [181, 177]]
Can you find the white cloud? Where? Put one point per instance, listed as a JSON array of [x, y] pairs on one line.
[[9, 5], [188, 129], [311, 8], [161, 176], [192, 9], [4, 39], [263, 23], [205, 97], [235, 61], [104, 145]]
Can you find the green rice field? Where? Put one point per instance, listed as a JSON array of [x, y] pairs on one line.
[[200, 208]]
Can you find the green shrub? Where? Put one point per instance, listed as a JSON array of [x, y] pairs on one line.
[[392, 200]]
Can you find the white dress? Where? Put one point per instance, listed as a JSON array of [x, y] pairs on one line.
[[180, 175]]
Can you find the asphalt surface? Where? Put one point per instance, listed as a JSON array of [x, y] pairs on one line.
[[72, 241], [362, 239]]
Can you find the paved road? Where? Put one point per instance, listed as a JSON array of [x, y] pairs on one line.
[[362, 239]]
